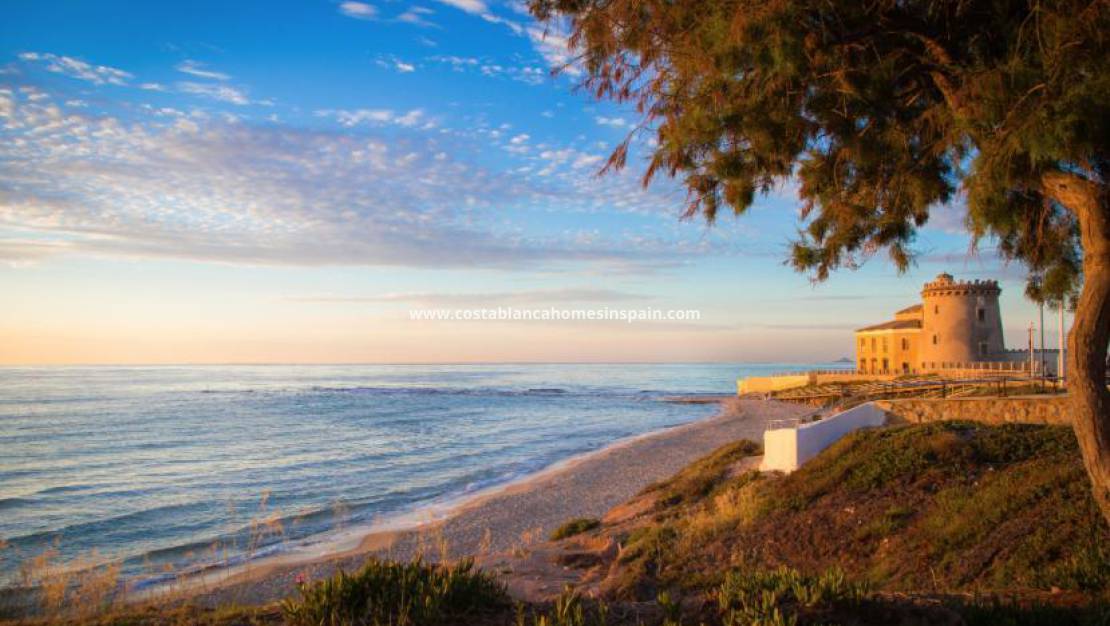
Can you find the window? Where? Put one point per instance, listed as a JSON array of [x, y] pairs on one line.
[[862, 343], [886, 365], [982, 348], [872, 344], [905, 345], [863, 365], [905, 368], [936, 309], [886, 347], [934, 339], [981, 313]]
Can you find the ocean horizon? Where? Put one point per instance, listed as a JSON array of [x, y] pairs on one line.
[[167, 470]]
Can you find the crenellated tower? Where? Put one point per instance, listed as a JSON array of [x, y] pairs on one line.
[[961, 322]]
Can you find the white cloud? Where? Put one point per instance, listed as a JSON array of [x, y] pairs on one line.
[[476, 7], [586, 160], [533, 296], [153, 87], [615, 122], [198, 188], [358, 10], [76, 68], [519, 139], [416, 15], [404, 67], [195, 68], [223, 93], [554, 46], [377, 117]]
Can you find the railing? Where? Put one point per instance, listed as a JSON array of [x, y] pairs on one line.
[[935, 366], [846, 370]]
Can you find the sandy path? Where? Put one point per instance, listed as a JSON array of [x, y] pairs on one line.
[[528, 512]]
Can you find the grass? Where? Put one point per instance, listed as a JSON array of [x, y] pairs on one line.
[[932, 507], [574, 527], [389, 593], [698, 479]]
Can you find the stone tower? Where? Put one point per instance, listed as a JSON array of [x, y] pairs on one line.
[[961, 322]]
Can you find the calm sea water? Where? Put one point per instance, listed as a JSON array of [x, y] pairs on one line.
[[168, 468]]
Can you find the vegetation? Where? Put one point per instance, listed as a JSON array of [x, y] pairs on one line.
[[698, 479], [943, 506], [778, 597], [883, 111], [387, 593], [575, 526]]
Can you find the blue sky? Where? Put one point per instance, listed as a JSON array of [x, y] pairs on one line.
[[283, 181]]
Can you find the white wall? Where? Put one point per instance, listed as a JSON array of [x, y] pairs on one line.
[[786, 449]]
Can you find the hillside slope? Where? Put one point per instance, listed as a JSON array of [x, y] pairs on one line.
[[944, 507]]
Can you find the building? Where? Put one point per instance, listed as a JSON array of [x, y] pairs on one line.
[[957, 326]]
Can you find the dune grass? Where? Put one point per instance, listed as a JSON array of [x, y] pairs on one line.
[[574, 527], [389, 593], [943, 506]]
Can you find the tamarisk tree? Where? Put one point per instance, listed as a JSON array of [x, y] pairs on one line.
[[882, 110]]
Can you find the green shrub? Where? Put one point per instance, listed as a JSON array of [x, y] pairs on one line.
[[574, 527], [779, 597], [996, 613], [567, 610], [396, 594], [700, 478]]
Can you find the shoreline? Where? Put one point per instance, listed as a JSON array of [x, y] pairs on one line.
[[374, 536], [500, 519]]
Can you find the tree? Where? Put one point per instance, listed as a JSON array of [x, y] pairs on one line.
[[882, 110]]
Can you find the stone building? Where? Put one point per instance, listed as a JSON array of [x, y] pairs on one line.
[[957, 325]]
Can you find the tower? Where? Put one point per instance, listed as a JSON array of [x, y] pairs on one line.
[[961, 322]]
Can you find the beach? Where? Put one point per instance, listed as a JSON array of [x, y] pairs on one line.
[[510, 519]]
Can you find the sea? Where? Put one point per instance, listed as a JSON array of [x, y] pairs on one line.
[[165, 470]]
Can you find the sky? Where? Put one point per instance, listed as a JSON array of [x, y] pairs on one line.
[[284, 182]]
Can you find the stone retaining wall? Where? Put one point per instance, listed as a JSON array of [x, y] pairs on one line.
[[1017, 410]]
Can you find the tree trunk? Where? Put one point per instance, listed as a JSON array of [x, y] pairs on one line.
[[1090, 333]]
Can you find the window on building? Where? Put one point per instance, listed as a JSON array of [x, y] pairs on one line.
[[934, 339], [936, 309], [886, 346], [905, 368], [874, 365], [863, 365], [862, 343], [982, 348], [905, 344], [886, 365], [872, 344], [981, 313]]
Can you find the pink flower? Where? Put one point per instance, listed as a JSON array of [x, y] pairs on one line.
[[300, 579]]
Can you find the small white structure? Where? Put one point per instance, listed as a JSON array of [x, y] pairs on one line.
[[786, 449]]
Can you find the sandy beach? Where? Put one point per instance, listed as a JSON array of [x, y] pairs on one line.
[[512, 518]]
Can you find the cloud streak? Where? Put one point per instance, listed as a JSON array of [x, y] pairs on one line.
[[192, 186], [76, 68]]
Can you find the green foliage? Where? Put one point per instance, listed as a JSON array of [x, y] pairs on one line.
[[997, 613], [396, 594], [881, 109], [778, 597], [575, 526], [945, 505], [698, 479], [567, 610]]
